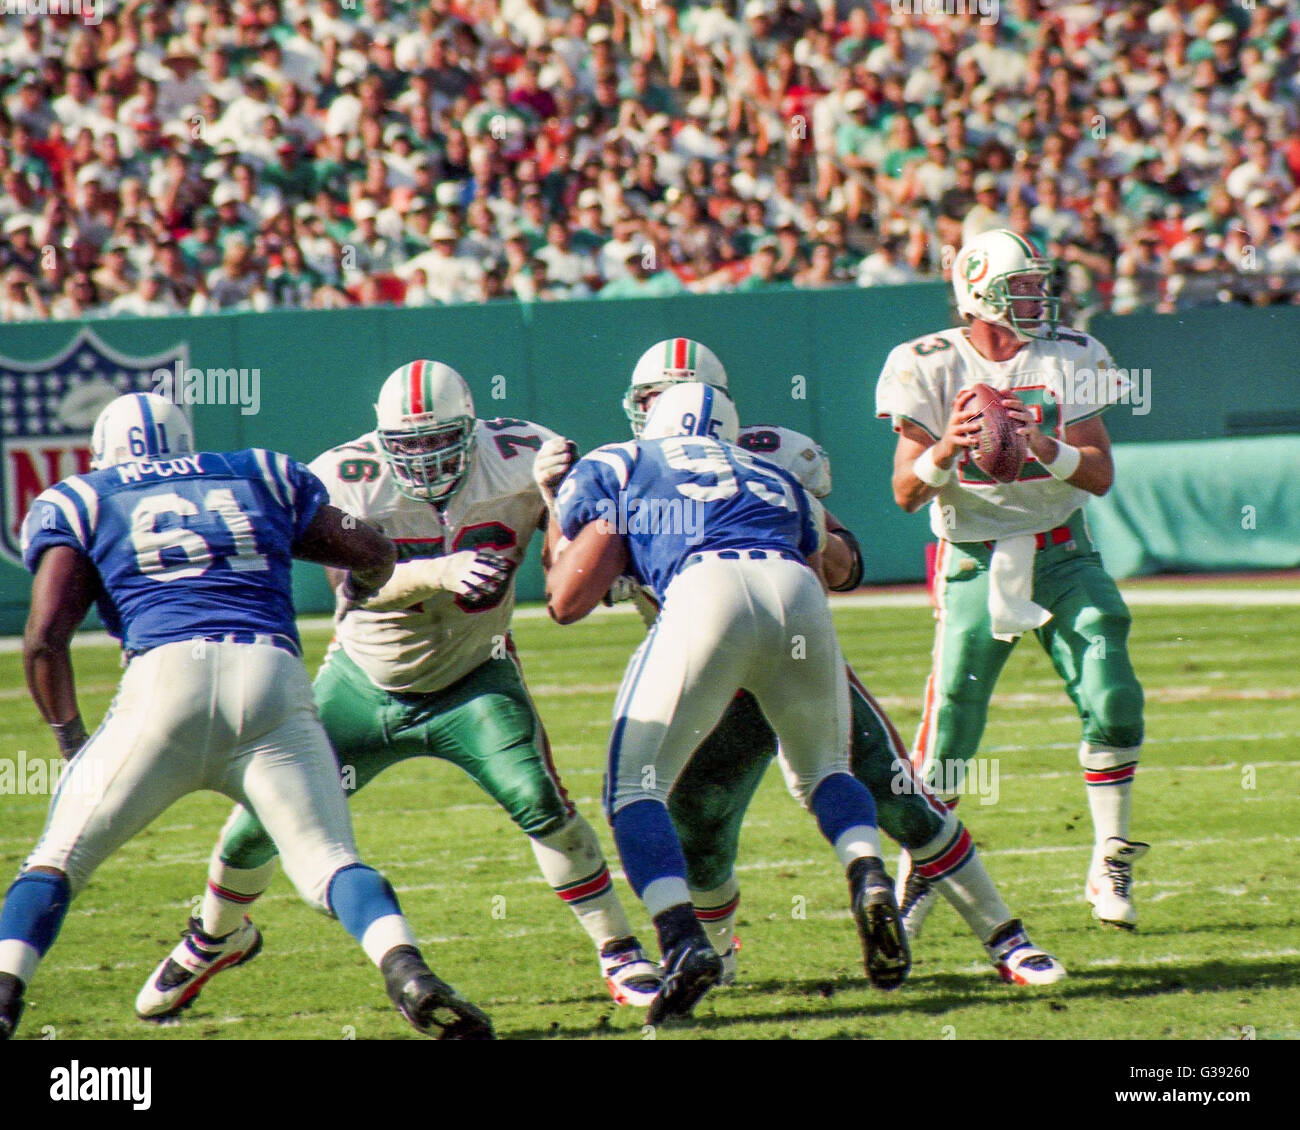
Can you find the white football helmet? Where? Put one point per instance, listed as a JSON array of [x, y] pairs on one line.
[[667, 363], [140, 425], [998, 276], [426, 429], [693, 409]]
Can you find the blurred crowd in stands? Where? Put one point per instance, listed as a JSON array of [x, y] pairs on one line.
[[254, 154]]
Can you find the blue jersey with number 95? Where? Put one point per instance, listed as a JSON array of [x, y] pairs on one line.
[[194, 546], [678, 495]]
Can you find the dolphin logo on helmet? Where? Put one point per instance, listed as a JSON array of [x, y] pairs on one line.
[[1000, 277]]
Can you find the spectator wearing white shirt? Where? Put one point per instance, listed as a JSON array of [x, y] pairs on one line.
[[150, 299], [885, 266], [450, 277], [1264, 168], [567, 270], [328, 23]]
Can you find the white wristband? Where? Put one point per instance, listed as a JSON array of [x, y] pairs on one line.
[[1065, 463], [924, 468]]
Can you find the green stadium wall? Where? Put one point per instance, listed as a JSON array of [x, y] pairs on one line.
[[804, 359]]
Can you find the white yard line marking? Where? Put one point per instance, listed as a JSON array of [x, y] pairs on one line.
[[912, 598]]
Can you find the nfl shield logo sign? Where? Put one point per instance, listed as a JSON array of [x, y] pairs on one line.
[[47, 411]]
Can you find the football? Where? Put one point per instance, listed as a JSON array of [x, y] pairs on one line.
[[1001, 450]]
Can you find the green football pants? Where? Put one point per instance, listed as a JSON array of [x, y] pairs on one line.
[[485, 724], [712, 795], [1086, 640]]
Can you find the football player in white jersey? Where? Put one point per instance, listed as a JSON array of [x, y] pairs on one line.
[[709, 802], [1018, 557], [426, 666]]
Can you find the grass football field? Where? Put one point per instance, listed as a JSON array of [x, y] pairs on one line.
[[1217, 794]]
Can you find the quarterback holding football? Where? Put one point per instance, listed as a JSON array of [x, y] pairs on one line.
[[1016, 556]]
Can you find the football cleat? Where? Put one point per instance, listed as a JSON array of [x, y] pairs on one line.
[[690, 969], [886, 956], [11, 1004], [632, 977], [197, 958], [1109, 880], [1018, 961], [427, 1002], [915, 894]]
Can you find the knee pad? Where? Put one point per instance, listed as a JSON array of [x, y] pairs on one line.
[[1115, 716]]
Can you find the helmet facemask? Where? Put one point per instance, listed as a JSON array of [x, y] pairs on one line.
[[430, 461], [1024, 300], [639, 399]]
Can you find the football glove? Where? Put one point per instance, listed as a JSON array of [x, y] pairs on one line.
[[471, 574], [484, 581], [555, 459], [623, 588]]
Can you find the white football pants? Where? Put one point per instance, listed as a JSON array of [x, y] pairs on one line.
[[743, 621], [232, 717]]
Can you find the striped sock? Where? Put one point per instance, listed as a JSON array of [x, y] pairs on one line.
[[230, 892], [574, 866], [954, 867], [1108, 775], [716, 911]]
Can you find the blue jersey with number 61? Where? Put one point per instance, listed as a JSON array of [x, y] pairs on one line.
[[194, 546], [678, 495]]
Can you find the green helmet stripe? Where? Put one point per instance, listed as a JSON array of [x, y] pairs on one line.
[[1024, 243]]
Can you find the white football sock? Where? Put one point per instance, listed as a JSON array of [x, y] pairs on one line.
[[230, 892], [385, 933], [19, 959], [1108, 774], [574, 866], [859, 842]]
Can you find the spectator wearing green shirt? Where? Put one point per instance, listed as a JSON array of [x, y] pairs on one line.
[[762, 271], [292, 283], [202, 247], [295, 178], [642, 280]]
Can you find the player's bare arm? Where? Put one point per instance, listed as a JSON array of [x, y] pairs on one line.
[[337, 539], [911, 492], [582, 575], [1096, 470], [62, 593]]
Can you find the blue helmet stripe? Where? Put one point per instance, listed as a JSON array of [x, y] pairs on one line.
[[706, 412], [150, 431]]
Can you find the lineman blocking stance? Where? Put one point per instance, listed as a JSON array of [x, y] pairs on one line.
[[1017, 557], [714, 792], [189, 556], [742, 606], [425, 667]]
